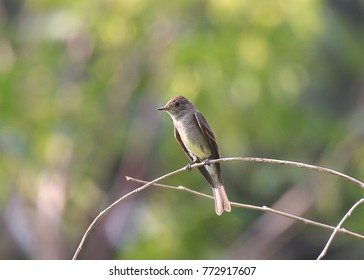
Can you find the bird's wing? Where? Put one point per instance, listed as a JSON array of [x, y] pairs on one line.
[[208, 134], [202, 169], [210, 139]]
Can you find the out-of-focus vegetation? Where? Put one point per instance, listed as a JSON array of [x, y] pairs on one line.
[[79, 84]]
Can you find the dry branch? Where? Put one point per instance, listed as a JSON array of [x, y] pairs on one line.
[[258, 208], [338, 227]]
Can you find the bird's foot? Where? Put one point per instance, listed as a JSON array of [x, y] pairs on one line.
[[189, 166], [207, 162]]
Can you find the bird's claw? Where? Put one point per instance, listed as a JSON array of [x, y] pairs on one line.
[[207, 162], [188, 167]]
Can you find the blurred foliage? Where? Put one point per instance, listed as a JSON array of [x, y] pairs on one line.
[[79, 84]]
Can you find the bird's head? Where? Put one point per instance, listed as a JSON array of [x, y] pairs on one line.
[[177, 106]]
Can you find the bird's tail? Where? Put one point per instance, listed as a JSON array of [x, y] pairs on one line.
[[221, 200]]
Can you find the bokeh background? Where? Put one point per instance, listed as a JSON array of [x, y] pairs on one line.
[[79, 85]]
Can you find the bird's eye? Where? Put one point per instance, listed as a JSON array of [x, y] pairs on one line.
[[177, 104]]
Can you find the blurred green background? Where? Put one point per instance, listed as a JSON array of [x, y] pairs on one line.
[[79, 85]]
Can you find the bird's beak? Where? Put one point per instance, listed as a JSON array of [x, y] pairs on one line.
[[164, 108]]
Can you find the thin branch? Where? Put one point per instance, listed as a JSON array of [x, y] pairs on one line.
[[295, 164], [248, 159], [257, 208], [338, 227], [106, 210]]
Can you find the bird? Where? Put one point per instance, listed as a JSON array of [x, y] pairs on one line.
[[197, 140]]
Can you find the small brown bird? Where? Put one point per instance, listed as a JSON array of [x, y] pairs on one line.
[[194, 134]]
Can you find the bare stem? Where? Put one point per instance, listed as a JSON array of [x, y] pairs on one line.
[[257, 208], [295, 164], [106, 210], [264, 208], [338, 227]]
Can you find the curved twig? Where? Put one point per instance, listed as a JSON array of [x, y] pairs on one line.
[[295, 164], [247, 159], [257, 208], [338, 227]]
